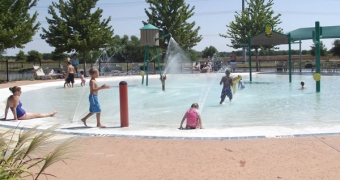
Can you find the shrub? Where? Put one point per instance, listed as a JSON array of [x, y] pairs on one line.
[[18, 156]]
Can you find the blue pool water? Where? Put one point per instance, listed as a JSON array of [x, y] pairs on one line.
[[268, 101]]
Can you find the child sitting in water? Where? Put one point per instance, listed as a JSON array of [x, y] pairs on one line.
[[303, 85], [82, 78], [193, 118], [241, 85]]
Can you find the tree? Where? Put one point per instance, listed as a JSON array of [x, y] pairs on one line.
[[134, 51], [21, 56], [192, 54], [56, 56], [335, 50], [209, 51], [47, 56], [34, 56], [1, 55], [16, 25], [172, 16], [323, 50], [251, 22], [77, 27]]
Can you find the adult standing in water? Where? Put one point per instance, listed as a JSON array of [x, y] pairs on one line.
[[233, 63], [14, 104], [70, 73], [227, 83], [75, 62]]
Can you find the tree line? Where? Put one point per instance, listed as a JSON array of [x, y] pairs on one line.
[[76, 26]]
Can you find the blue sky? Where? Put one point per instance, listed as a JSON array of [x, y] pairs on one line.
[[211, 15]]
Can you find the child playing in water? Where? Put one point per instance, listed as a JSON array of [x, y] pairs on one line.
[[193, 118], [227, 83], [67, 81], [303, 85], [93, 97], [82, 78], [241, 85]]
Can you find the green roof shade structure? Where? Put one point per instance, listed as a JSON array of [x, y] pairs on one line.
[[324, 32], [148, 35], [275, 38], [307, 33]]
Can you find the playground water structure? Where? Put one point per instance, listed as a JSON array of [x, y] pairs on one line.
[[268, 106]]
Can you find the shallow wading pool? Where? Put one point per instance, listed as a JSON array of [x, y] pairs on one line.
[[268, 106]]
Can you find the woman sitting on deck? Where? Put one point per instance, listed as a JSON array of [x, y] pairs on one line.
[[14, 103]]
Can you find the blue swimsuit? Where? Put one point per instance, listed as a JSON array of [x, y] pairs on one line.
[[94, 104], [20, 111]]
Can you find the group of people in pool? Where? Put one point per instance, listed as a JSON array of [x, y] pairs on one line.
[[192, 115], [72, 70]]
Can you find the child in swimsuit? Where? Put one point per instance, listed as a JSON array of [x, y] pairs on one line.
[[241, 85], [67, 81], [93, 98], [82, 78], [227, 82], [193, 118]]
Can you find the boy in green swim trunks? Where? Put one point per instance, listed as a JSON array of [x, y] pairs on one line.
[[93, 98]]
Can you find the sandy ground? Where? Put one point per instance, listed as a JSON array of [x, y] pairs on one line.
[[103, 158]]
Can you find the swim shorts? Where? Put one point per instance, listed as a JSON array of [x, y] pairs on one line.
[[94, 104], [70, 78], [226, 92]]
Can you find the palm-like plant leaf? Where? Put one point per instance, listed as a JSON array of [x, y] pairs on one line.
[[19, 153]]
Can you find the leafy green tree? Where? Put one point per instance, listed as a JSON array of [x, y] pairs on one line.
[[77, 27], [335, 50], [56, 56], [94, 55], [209, 51], [16, 25], [323, 50], [34, 56], [47, 56], [2, 57], [192, 54], [134, 51], [172, 17], [21, 56], [251, 22]]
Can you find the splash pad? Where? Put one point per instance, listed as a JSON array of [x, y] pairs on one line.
[[267, 107]]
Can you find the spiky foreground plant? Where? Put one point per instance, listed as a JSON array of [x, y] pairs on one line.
[[19, 155]]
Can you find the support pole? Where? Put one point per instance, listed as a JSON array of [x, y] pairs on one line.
[[147, 67], [99, 65], [249, 52], [124, 104], [290, 58], [145, 51], [243, 48], [7, 70], [317, 53], [300, 55]]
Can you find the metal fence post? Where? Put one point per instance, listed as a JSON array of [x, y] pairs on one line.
[[7, 70]]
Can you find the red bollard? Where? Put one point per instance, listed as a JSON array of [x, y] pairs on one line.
[[124, 104]]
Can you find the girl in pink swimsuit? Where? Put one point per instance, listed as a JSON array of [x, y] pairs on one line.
[[193, 118]]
